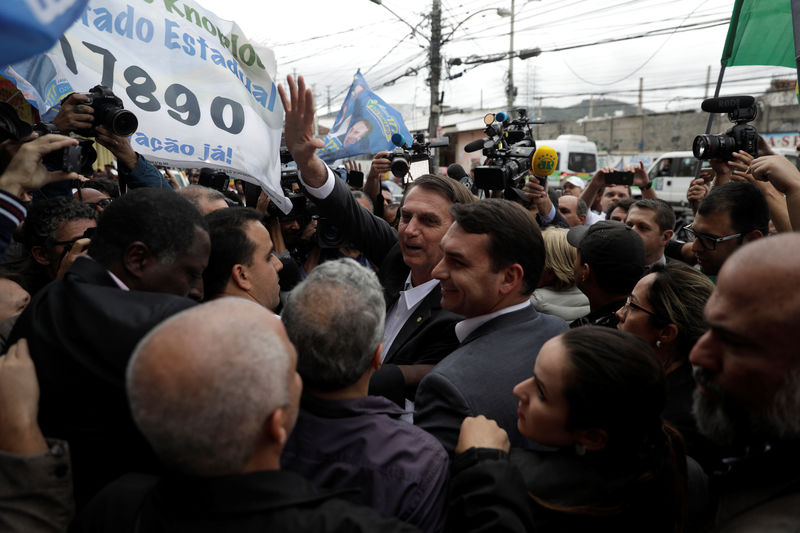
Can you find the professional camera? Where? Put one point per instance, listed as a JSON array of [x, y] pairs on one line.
[[742, 136], [509, 149], [108, 112], [402, 156], [78, 158]]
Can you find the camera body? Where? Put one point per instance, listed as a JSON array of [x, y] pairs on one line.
[[78, 158], [108, 112], [509, 148], [742, 136], [402, 156]]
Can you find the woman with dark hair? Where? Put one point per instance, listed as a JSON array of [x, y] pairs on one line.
[[596, 397], [665, 309]]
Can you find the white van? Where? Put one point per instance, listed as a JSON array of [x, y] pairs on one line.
[[577, 156], [671, 174]]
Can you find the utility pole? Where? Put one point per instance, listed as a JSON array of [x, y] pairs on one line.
[[510, 88], [641, 88], [708, 81], [435, 74], [329, 98]]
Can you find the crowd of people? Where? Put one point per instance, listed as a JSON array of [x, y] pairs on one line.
[[185, 358]]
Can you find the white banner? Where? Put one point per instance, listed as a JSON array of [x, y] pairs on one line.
[[204, 95]]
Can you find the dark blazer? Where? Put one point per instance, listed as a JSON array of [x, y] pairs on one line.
[[478, 378], [429, 334], [81, 331]]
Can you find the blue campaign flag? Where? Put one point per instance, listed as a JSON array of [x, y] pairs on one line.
[[30, 27], [364, 125]]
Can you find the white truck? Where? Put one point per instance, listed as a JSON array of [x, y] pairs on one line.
[[577, 156]]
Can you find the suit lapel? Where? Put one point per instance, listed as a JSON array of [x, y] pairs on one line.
[[419, 317]]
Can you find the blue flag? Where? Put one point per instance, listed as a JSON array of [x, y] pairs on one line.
[[364, 125], [29, 27]]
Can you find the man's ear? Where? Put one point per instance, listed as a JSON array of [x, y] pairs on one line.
[[752, 235], [39, 255], [666, 236], [136, 258], [582, 218], [587, 272], [240, 277], [512, 278], [275, 427], [593, 439], [375, 362]]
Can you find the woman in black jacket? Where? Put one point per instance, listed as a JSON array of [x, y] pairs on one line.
[[595, 399]]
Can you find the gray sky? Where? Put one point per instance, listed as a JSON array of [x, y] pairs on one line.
[[328, 41]]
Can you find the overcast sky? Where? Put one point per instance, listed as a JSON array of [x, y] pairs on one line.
[[328, 41]]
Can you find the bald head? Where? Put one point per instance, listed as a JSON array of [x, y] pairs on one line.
[[205, 199], [202, 384], [747, 365]]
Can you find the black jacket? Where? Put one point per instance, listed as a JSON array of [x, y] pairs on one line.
[[81, 331], [257, 502]]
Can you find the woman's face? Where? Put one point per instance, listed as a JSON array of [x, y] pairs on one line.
[[543, 410], [633, 316]]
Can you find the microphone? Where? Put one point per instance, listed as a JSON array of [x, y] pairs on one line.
[[544, 162], [727, 104], [397, 139], [475, 145]]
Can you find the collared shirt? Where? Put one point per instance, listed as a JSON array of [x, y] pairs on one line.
[[408, 301], [467, 326], [119, 282]]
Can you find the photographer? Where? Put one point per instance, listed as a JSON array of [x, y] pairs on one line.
[[613, 193], [134, 170], [22, 172]]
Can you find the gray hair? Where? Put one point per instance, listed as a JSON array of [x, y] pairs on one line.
[[362, 194], [197, 194], [335, 319], [581, 208], [202, 384]]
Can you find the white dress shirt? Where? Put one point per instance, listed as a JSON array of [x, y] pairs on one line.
[[468, 325], [408, 301]]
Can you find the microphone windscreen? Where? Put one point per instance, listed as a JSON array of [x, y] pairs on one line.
[[397, 139], [544, 161], [726, 104], [475, 145]]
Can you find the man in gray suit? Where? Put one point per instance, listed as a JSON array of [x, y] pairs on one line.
[[493, 259]]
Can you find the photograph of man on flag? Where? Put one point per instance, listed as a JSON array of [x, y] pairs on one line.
[[365, 125]]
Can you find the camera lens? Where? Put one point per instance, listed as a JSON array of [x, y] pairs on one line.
[[713, 146], [399, 167], [123, 122]]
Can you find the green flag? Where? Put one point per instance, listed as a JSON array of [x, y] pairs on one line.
[[760, 33]]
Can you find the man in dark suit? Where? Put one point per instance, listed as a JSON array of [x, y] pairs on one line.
[[493, 259], [419, 333], [148, 254]]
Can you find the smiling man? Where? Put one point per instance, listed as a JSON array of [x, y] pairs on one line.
[[493, 259], [418, 332], [747, 367]]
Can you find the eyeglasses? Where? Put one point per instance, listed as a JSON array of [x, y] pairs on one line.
[[709, 242], [102, 204], [629, 304]]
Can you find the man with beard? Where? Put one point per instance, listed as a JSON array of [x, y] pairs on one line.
[[747, 368]]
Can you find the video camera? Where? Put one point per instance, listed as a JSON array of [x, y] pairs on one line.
[[742, 136], [108, 112], [509, 148], [402, 156]]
